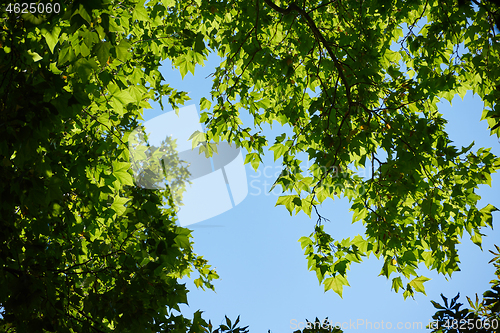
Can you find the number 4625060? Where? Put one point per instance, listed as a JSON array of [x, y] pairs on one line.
[[40, 8]]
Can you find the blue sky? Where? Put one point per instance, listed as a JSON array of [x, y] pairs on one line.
[[263, 271]]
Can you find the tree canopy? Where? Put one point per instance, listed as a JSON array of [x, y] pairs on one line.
[[82, 248], [357, 82]]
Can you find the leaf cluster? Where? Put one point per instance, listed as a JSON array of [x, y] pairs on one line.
[[358, 84], [82, 248], [481, 317], [318, 326]]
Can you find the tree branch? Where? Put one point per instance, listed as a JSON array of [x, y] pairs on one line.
[[319, 36]]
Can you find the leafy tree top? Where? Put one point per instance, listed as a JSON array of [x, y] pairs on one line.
[[359, 82], [82, 248], [97, 254]]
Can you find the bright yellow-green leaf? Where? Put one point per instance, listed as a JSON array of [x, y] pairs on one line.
[[418, 284]]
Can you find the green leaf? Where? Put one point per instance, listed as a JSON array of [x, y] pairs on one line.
[[199, 45], [418, 284], [140, 13], [51, 37], [85, 67], [182, 64], [437, 305], [124, 97], [360, 243], [122, 50], [254, 160], [35, 56], [476, 238], [82, 11], [102, 50], [336, 283], [278, 149], [397, 283], [204, 104], [304, 241], [359, 214], [288, 202], [486, 215], [182, 241], [65, 55], [196, 138], [118, 205], [124, 177]]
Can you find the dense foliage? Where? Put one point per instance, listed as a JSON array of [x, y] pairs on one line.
[[356, 81], [82, 248]]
